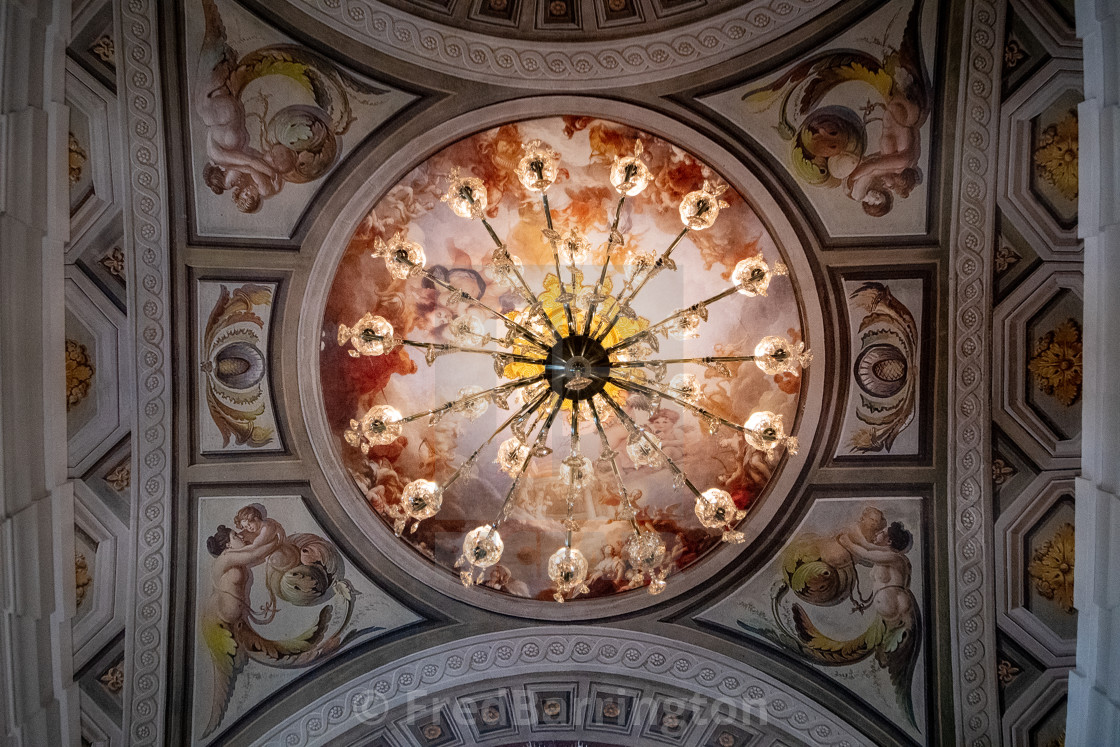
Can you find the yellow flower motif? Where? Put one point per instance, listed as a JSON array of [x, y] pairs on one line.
[[77, 159], [1056, 364], [1056, 155], [1052, 568], [82, 578], [79, 373]]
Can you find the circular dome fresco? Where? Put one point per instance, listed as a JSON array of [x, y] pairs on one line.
[[535, 436]]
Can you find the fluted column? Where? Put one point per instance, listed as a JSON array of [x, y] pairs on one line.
[[38, 698], [1094, 686]]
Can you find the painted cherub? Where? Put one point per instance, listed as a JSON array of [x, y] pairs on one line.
[[830, 139], [256, 530], [226, 621]]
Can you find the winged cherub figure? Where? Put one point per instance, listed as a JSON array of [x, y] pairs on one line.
[[227, 619], [829, 141], [894, 635]]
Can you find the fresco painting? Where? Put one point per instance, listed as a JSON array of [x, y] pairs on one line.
[[845, 595], [459, 251], [233, 375], [851, 122], [269, 120], [882, 416], [274, 598]]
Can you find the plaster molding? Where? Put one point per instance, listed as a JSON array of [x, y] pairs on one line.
[[149, 294], [972, 242], [563, 65], [549, 649]]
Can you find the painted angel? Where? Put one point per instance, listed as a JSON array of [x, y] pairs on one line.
[[227, 620], [830, 141], [297, 144], [893, 637]]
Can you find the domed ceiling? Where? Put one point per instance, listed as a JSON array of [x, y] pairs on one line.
[[459, 254], [896, 570]]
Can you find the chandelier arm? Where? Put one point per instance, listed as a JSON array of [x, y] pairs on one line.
[[445, 346], [524, 291], [510, 385], [538, 416], [552, 240], [614, 238], [664, 361], [662, 262], [634, 386], [632, 339], [633, 427], [575, 455], [696, 307], [525, 332], [628, 508], [527, 407], [507, 504]]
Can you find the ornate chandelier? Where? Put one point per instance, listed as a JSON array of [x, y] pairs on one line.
[[575, 356]]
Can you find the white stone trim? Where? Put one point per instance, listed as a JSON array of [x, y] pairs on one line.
[[553, 649], [557, 65], [146, 240], [1093, 715], [972, 239]]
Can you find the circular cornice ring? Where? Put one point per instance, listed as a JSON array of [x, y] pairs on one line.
[[559, 66], [344, 493], [594, 650]]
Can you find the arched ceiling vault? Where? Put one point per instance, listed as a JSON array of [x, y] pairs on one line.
[[907, 161]]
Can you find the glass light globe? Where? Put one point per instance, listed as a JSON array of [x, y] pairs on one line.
[[685, 386], [381, 425], [573, 248], [502, 272], [467, 330], [402, 258], [715, 508], [466, 195], [752, 275], [475, 408], [567, 567], [644, 454], [421, 499], [700, 209], [775, 355], [538, 168], [645, 551], [483, 546], [577, 472], [685, 327], [511, 455], [629, 174], [638, 261], [371, 335], [764, 430]]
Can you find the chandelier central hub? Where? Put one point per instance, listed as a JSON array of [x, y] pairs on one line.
[[578, 367]]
